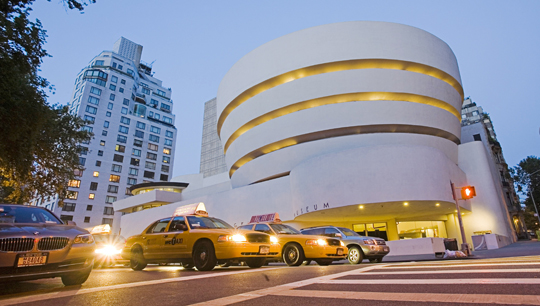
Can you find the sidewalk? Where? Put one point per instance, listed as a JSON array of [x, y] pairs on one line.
[[520, 248]]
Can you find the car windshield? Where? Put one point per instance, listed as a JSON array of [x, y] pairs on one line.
[[25, 214], [109, 239], [348, 232], [284, 229], [206, 222]]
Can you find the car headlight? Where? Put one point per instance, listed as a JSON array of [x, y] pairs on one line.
[[108, 250], [235, 238], [274, 239], [341, 243], [320, 242], [84, 238], [369, 241]]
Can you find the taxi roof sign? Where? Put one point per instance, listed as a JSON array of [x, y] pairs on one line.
[[191, 209], [265, 218], [101, 229]]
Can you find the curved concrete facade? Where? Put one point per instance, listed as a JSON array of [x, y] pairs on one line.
[[335, 87]]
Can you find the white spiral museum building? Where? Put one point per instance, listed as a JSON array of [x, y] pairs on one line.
[[355, 124]]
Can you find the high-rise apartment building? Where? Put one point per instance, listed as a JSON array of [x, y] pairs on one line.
[[477, 126], [130, 113], [212, 156]]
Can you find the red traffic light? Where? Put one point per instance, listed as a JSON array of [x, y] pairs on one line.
[[468, 192]]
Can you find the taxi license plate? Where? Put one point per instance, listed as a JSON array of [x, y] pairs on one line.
[[385, 249], [264, 250], [32, 259], [340, 251]]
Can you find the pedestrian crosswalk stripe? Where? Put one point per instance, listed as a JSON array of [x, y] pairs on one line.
[[382, 272], [435, 281], [464, 265]]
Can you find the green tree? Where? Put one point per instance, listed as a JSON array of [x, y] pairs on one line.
[[527, 179], [38, 141]]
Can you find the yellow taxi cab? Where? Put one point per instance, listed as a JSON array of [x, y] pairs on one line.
[[193, 239], [296, 247]]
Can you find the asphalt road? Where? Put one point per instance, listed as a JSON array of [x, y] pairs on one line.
[[510, 281]]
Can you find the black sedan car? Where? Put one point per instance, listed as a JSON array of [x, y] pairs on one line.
[[34, 244]]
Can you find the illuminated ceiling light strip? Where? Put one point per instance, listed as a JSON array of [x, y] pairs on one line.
[[374, 63], [346, 131], [341, 98]]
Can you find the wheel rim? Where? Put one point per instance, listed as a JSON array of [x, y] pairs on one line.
[[353, 255], [292, 254]]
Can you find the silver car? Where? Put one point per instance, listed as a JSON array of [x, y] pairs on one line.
[[34, 244], [360, 247]]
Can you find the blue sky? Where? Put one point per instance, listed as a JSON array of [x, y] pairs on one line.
[[195, 43]]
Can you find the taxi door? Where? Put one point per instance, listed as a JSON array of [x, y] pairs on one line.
[[154, 240], [176, 239]]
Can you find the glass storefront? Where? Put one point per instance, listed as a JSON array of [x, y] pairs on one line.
[[421, 229], [371, 229]]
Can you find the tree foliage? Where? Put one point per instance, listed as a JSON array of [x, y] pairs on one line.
[[527, 179], [38, 142]]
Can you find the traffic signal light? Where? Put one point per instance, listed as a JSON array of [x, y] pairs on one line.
[[468, 192]]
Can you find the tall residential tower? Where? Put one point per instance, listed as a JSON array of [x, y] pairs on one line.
[[130, 113]]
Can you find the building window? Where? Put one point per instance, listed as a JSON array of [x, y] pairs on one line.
[[150, 165], [77, 172], [164, 177], [133, 171], [108, 210], [155, 129], [167, 120], [137, 143], [74, 183], [89, 207], [126, 101], [99, 63], [72, 195], [146, 90], [121, 90], [108, 114], [151, 156], [68, 207], [168, 142], [114, 178], [132, 181], [149, 174], [93, 185], [164, 168], [108, 220], [114, 79], [91, 196], [121, 139], [82, 161], [118, 158], [102, 143], [123, 81], [106, 124], [124, 111], [161, 93], [139, 134], [141, 125], [152, 147], [112, 189], [93, 100], [100, 153], [86, 219], [128, 191], [153, 138], [89, 129], [129, 71], [96, 174], [136, 152], [154, 103], [166, 159], [110, 105], [169, 134], [90, 109], [104, 133], [120, 67], [167, 151], [98, 163], [96, 91], [120, 148], [66, 218], [477, 137], [166, 107], [135, 161], [125, 120], [89, 119], [123, 129], [116, 168], [112, 97]]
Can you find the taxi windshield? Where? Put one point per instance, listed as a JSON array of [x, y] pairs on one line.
[[284, 229], [206, 222], [348, 232], [25, 214]]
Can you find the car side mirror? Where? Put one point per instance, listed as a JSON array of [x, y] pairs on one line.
[[338, 235], [72, 223]]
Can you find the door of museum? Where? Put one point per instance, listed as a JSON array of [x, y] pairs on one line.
[[371, 229]]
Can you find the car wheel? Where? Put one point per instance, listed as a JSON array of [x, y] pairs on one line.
[[204, 256], [255, 262], [293, 254], [323, 262], [355, 255], [76, 278], [137, 261], [375, 260]]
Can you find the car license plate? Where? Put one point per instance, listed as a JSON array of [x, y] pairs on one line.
[[264, 250], [340, 251], [32, 259], [385, 249]]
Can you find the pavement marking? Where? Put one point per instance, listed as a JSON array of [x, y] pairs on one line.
[[452, 272], [465, 265], [67, 293], [454, 281], [286, 287], [416, 297]]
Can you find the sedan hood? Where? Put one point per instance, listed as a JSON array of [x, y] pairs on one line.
[[39, 230]]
